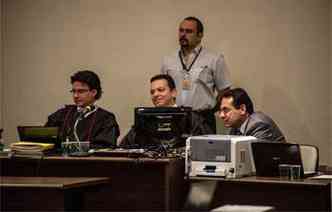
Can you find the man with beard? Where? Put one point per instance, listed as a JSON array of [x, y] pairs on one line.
[[199, 74]]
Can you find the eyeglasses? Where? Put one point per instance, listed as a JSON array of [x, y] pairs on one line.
[[222, 111], [79, 91]]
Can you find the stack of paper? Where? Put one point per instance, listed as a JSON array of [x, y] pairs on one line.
[[30, 148]]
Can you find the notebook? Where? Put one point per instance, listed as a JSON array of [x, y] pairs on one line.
[[267, 157], [39, 134]]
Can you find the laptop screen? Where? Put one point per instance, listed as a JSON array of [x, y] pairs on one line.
[[267, 157], [39, 134]]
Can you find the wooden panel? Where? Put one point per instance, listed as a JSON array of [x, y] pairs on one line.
[[51, 182], [136, 184], [310, 195], [45, 193], [39, 199]]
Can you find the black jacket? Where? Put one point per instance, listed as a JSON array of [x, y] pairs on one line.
[[99, 126]]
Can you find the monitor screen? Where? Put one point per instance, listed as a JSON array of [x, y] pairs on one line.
[[162, 125], [267, 157]]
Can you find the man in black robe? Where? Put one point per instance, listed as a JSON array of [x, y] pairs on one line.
[[85, 121]]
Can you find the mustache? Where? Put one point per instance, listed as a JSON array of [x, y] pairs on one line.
[[183, 39]]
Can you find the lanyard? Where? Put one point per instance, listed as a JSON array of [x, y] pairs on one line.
[[192, 63]]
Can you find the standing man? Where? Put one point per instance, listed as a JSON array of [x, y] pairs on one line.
[[237, 112], [199, 74], [85, 121]]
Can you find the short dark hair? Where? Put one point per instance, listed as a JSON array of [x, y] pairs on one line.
[[240, 96], [200, 27], [90, 78], [168, 78]]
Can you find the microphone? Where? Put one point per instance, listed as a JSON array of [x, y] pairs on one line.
[[83, 112], [87, 109]]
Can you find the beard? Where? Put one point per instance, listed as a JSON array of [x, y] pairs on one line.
[[184, 42]]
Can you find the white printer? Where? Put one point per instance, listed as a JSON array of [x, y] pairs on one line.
[[227, 156]]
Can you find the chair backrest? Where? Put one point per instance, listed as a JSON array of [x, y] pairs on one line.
[[200, 195], [310, 157]]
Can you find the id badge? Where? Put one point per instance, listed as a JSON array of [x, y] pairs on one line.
[[186, 83]]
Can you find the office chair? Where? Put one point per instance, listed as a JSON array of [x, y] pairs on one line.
[[200, 195], [310, 158]]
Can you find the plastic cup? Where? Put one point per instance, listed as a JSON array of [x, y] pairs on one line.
[[284, 171], [295, 172], [70, 147]]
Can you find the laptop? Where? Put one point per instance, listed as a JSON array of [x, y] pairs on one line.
[[39, 134], [267, 157]]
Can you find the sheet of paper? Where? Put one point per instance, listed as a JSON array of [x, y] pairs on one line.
[[324, 176]]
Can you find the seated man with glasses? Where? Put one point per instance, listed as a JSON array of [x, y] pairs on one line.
[[85, 121], [237, 111]]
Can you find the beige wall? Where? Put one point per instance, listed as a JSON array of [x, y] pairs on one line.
[[330, 54], [277, 49], [1, 68]]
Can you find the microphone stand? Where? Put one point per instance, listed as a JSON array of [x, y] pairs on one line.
[[79, 118], [75, 131]]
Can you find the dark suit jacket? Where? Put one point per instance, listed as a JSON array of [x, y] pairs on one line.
[[261, 126]]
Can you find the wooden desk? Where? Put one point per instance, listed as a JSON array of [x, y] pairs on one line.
[[297, 195], [136, 184], [45, 193]]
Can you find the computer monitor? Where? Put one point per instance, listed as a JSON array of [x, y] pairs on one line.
[[162, 125], [268, 155], [39, 134]]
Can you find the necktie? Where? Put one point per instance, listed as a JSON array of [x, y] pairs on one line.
[[237, 132]]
